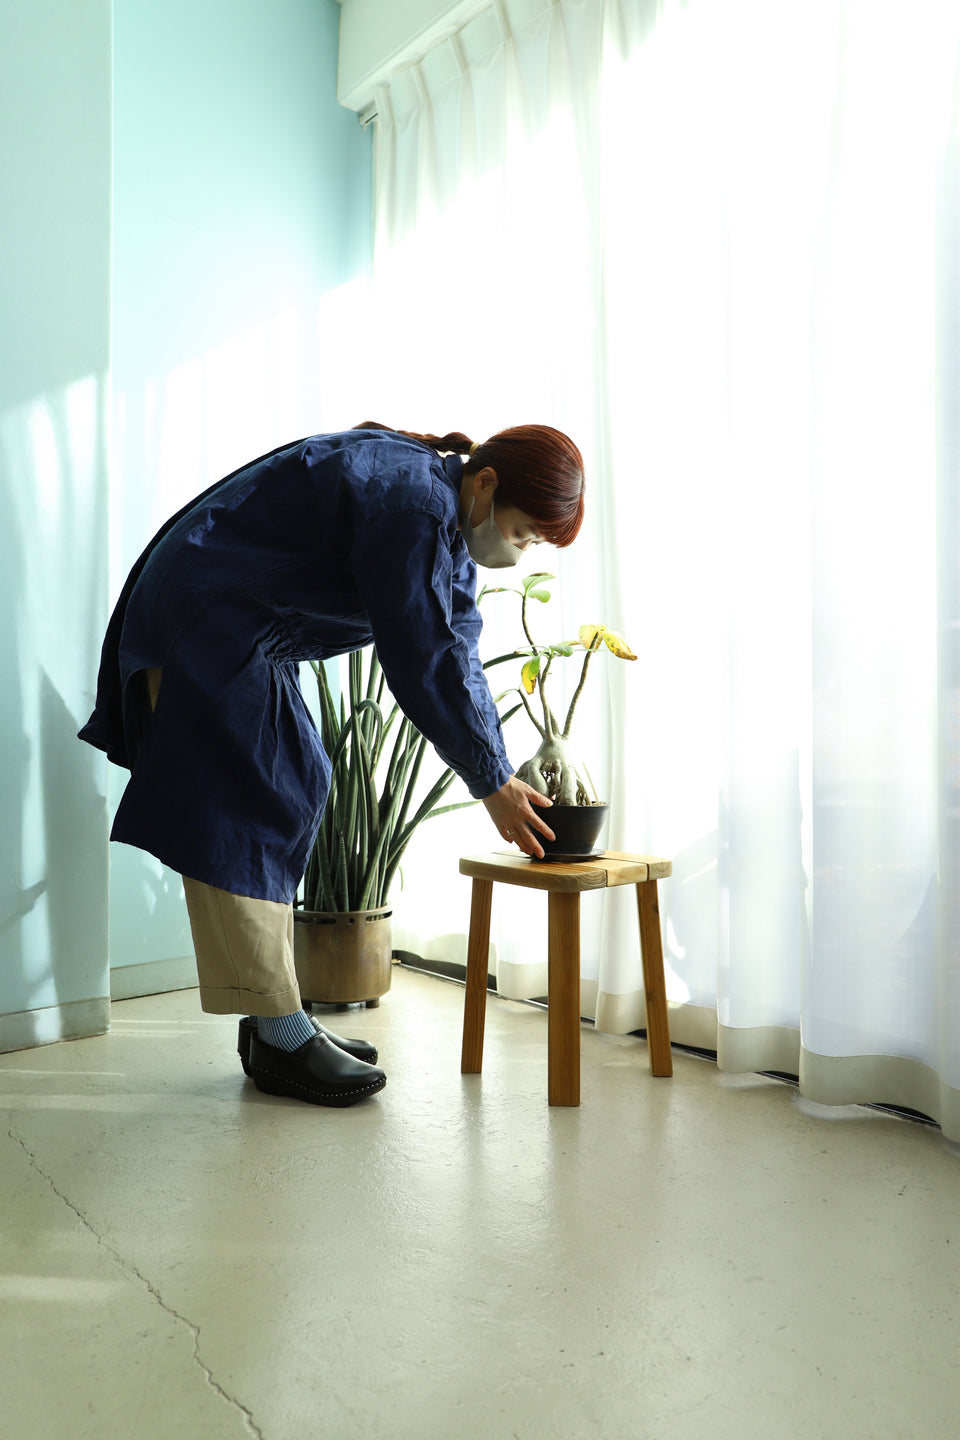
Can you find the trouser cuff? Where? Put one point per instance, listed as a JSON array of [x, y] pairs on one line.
[[235, 1001]]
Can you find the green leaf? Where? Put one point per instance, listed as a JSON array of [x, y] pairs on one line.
[[362, 832], [512, 655], [510, 713], [446, 809], [497, 590], [529, 581]]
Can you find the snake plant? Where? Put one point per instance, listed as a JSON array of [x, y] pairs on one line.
[[366, 829]]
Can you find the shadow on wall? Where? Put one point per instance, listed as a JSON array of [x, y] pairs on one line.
[[148, 916], [16, 899], [53, 875], [73, 811]]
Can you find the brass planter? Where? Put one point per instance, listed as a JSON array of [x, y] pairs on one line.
[[343, 956]]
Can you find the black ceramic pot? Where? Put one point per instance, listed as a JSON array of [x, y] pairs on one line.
[[577, 828]]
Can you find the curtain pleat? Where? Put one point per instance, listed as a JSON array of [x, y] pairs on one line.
[[717, 244]]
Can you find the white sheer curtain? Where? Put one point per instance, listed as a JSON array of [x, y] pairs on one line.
[[718, 244]]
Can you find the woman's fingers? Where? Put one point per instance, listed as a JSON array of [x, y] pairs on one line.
[[511, 809], [526, 837], [537, 821], [542, 826], [533, 797]]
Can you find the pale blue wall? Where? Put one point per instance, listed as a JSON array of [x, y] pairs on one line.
[[241, 215], [54, 358], [242, 199]]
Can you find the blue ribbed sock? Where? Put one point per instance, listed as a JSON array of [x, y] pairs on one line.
[[285, 1032]]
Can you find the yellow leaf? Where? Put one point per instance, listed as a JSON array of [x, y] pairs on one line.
[[529, 673], [589, 634], [618, 645]]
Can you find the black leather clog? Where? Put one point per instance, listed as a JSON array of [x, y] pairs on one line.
[[319, 1072], [359, 1049]]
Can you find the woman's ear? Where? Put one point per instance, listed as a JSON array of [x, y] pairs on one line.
[[485, 483]]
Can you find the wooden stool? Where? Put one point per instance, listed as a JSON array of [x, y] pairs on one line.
[[563, 884]]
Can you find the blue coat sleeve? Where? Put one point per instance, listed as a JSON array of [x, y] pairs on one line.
[[467, 623], [426, 625]]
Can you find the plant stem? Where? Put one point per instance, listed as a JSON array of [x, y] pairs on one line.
[[549, 719], [533, 718], [523, 621], [576, 696]]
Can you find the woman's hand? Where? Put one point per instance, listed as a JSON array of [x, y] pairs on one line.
[[511, 810]]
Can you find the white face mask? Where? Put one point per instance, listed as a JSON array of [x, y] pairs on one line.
[[485, 544]]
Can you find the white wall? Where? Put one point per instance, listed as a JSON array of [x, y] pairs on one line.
[[54, 359]]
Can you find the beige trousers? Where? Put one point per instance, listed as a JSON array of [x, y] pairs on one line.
[[244, 951], [244, 947]]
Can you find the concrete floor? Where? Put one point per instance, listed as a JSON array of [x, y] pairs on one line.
[[183, 1257]]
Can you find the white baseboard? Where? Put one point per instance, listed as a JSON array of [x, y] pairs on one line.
[[153, 977], [23, 1029]]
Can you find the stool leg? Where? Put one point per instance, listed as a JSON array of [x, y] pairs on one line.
[[475, 1001], [563, 1020], [654, 984]]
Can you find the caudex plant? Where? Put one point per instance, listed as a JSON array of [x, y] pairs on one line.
[[554, 770]]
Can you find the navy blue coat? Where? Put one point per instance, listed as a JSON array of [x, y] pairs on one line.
[[311, 551]]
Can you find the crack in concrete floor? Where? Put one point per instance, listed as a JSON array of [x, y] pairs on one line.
[[130, 1269]]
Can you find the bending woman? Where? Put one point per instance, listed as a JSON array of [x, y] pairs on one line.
[[314, 550]]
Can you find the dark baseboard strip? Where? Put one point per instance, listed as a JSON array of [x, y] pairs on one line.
[[458, 974]]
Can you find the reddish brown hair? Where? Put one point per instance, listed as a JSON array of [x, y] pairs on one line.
[[539, 470]]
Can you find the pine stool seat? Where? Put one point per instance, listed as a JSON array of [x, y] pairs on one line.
[[564, 884]]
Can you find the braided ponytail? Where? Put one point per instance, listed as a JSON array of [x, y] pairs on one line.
[[455, 443]]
